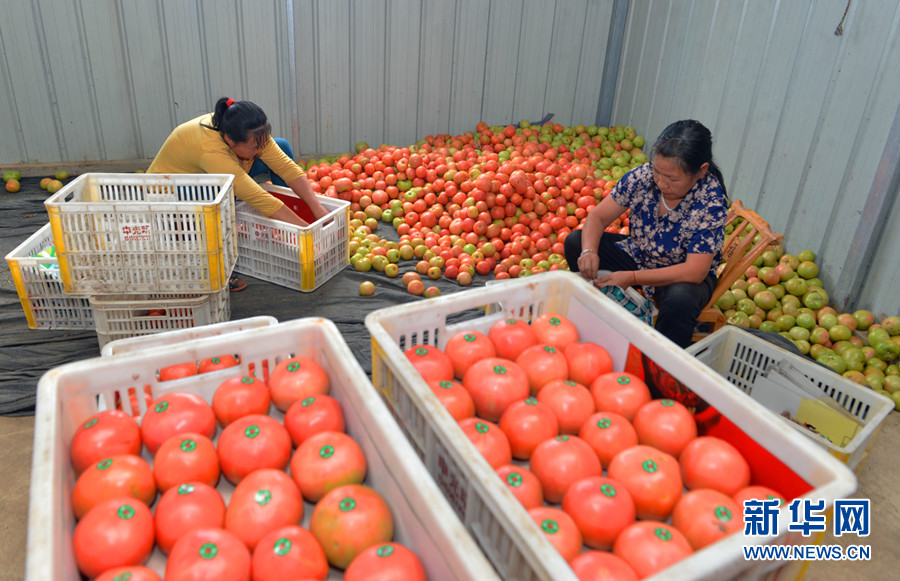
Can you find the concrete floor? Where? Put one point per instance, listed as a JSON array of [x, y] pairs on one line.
[[877, 481]]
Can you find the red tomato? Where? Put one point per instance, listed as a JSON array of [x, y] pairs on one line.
[[205, 554], [466, 348], [325, 461], [296, 379], [311, 415], [104, 434], [705, 516], [176, 413], [217, 363], [289, 552], [184, 458], [571, 403], [494, 384], [562, 461], [115, 533], [510, 337], [560, 530], [122, 475], [651, 476], [523, 484], [619, 392], [385, 562], [265, 500], [649, 547], [710, 462], [665, 424], [189, 506], [253, 442], [756, 492], [489, 440], [348, 520], [608, 433], [586, 361], [526, 424], [178, 371], [431, 363], [542, 363], [132, 573], [240, 396], [454, 397], [553, 329], [602, 566], [601, 508]]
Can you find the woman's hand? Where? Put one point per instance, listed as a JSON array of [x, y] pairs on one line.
[[301, 187], [622, 278], [588, 263]]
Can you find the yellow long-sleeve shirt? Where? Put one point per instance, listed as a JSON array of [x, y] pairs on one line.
[[193, 147]]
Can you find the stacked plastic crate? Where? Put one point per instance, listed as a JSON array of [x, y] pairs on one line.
[[130, 255]]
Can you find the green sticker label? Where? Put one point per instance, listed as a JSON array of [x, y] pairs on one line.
[[188, 445], [90, 423], [161, 407], [326, 451], [421, 351], [649, 466], [608, 490], [562, 438], [104, 464], [125, 512], [569, 382], [662, 534], [123, 576], [722, 513], [604, 423], [469, 337], [499, 370], [186, 489], [262, 497], [550, 526], [531, 400], [251, 431], [282, 546], [215, 360], [514, 479], [384, 551], [666, 402], [293, 366], [549, 349], [482, 428], [347, 504], [446, 384], [623, 380], [247, 379], [208, 550], [308, 401], [511, 321], [555, 322]]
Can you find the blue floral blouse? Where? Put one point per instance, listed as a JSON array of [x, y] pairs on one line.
[[695, 226]]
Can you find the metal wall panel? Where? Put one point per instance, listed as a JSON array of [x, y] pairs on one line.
[[800, 116]]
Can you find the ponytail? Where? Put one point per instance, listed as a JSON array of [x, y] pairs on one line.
[[241, 121]]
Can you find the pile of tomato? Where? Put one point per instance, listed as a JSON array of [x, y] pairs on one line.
[[229, 482], [617, 481]]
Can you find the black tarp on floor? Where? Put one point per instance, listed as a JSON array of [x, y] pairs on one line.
[[25, 354]]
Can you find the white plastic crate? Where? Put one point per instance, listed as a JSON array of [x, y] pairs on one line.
[[144, 233], [301, 258], [518, 549], [123, 316], [166, 338], [744, 360], [46, 303], [69, 394]]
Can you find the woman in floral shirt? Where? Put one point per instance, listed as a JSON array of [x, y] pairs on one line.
[[677, 215]]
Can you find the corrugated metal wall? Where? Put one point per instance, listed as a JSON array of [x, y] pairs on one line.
[[806, 122], [801, 118]]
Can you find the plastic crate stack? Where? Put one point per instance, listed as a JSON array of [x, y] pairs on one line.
[[130, 255]]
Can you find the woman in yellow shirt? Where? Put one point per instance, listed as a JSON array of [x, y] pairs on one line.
[[236, 138]]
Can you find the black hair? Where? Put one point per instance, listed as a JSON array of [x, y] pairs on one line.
[[690, 143], [241, 121]]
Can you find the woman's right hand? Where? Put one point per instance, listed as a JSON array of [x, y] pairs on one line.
[[588, 264]]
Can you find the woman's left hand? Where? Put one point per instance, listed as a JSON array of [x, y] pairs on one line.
[[622, 278]]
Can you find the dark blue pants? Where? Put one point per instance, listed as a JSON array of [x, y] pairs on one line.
[[259, 167], [679, 304]]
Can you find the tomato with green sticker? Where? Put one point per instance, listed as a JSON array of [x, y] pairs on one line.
[[296, 379], [608, 433], [602, 566], [325, 461], [650, 546], [130, 573], [601, 508], [489, 440], [510, 337], [705, 516], [289, 552], [184, 508], [562, 461], [558, 528], [265, 500], [104, 434], [542, 364], [757, 492], [176, 413], [619, 392], [116, 476], [652, 477], [209, 553], [523, 484], [385, 562], [587, 360], [665, 424], [554, 329], [216, 363], [467, 347], [313, 414], [454, 397], [494, 384], [115, 533], [526, 424], [240, 396], [251, 443], [183, 458], [348, 520], [431, 363], [178, 371], [571, 403]]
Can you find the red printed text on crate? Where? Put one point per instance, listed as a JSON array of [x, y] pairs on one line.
[[450, 482], [136, 233]]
